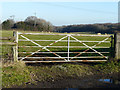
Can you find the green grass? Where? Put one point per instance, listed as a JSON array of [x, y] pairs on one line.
[[15, 75], [57, 37], [22, 43], [6, 33], [108, 68], [18, 74], [6, 52]]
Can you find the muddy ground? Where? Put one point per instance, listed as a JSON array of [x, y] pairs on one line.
[[88, 82], [94, 80], [79, 82]]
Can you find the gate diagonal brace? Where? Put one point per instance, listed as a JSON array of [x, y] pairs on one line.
[[92, 47], [88, 47], [43, 47]]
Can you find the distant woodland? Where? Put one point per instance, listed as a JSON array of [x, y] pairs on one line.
[[93, 28], [33, 23]]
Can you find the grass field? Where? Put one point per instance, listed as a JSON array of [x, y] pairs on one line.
[[7, 51], [18, 74]]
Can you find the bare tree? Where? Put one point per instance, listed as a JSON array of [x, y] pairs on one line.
[[39, 24]]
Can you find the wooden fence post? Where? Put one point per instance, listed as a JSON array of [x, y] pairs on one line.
[[112, 47], [117, 45], [15, 48]]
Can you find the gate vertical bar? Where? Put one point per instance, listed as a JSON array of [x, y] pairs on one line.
[[15, 48], [68, 46]]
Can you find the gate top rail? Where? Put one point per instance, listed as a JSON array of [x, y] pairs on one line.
[[65, 34]]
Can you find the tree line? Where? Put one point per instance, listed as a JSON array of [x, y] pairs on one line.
[[31, 23], [94, 28]]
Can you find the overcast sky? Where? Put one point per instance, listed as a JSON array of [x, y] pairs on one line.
[[63, 13]]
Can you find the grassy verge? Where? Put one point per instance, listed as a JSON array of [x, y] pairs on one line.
[[15, 75], [19, 74], [108, 68]]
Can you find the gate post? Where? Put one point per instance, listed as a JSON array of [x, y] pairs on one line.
[[111, 47], [117, 45], [15, 48]]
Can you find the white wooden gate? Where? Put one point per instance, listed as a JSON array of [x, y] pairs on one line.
[[71, 55]]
